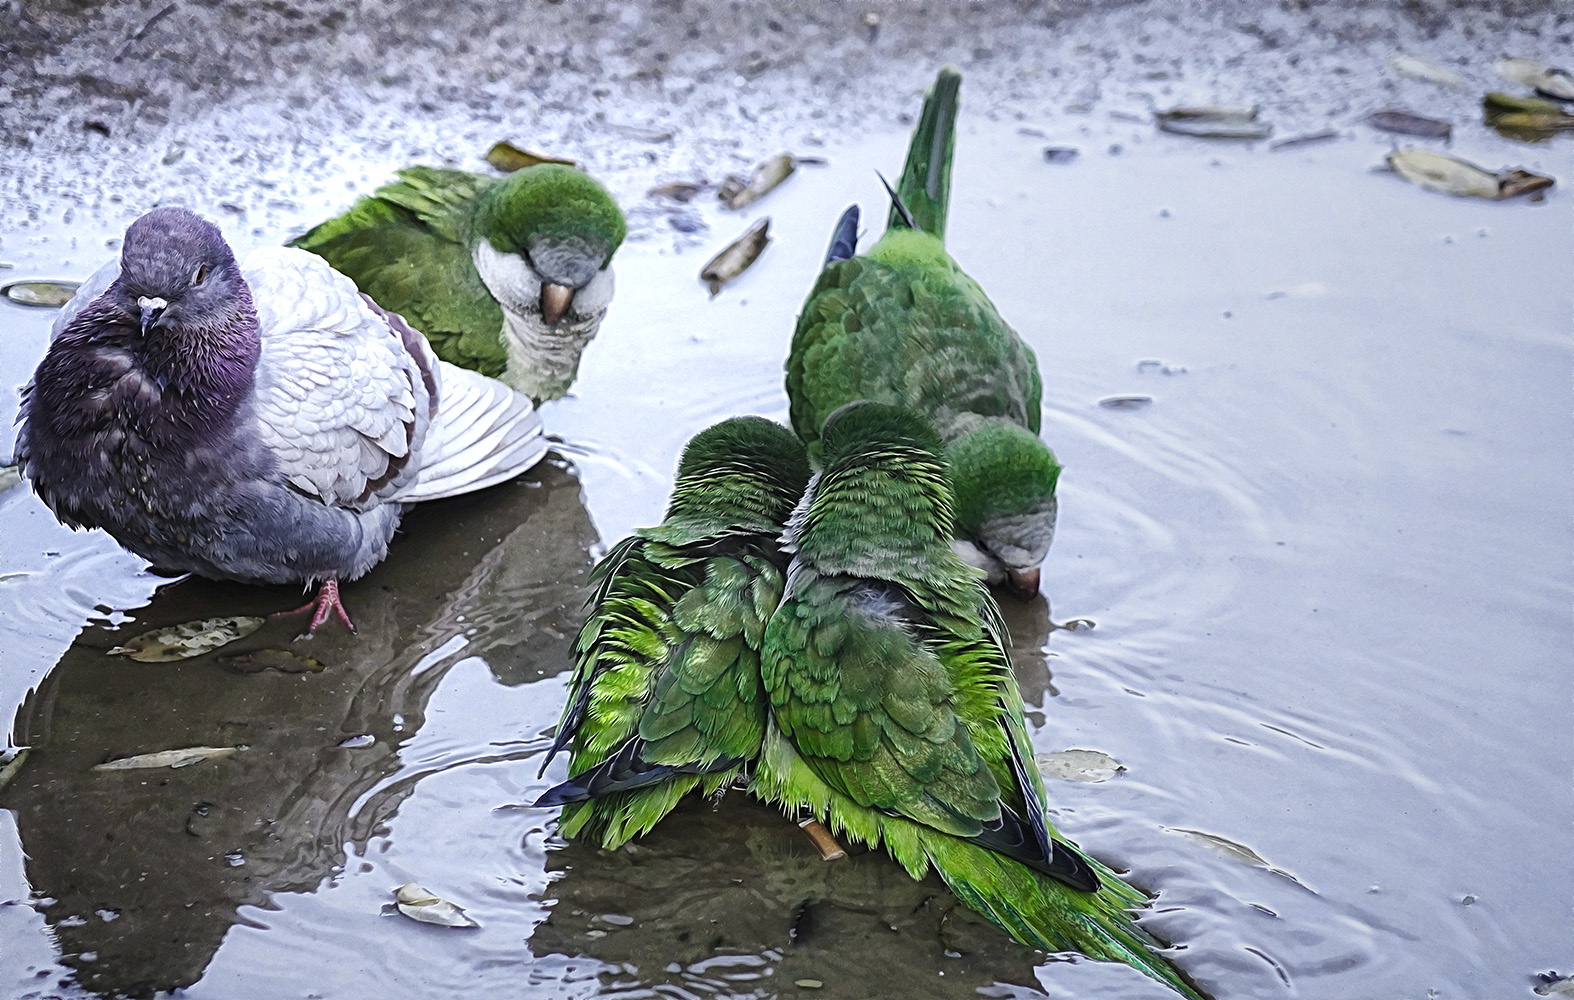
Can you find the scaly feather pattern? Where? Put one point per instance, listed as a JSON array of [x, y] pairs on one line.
[[665, 697], [895, 718]]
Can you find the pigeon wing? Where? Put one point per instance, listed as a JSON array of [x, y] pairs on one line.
[[341, 400]]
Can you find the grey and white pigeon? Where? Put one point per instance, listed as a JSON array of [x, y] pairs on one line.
[[261, 421]]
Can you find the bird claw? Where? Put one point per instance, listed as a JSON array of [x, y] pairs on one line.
[[325, 603]]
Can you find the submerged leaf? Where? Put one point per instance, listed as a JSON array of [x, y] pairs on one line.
[[1231, 849], [12, 766], [418, 903], [1078, 765], [52, 294], [10, 475], [167, 758], [737, 192], [1537, 76], [1417, 68], [1125, 402], [188, 639], [1211, 122], [1554, 985], [737, 256], [1406, 123], [508, 157], [257, 660], [1451, 175], [1305, 139]]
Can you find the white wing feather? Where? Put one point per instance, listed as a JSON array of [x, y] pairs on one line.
[[340, 400]]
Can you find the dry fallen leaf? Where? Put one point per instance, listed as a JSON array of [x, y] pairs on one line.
[[50, 294], [737, 256], [508, 158], [1213, 122], [765, 179], [1451, 175], [418, 903]]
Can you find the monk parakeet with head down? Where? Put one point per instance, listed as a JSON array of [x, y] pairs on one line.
[[507, 276], [896, 718], [903, 324], [666, 697]]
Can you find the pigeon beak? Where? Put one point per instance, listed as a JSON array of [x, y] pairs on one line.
[[152, 309], [554, 302], [1023, 582]]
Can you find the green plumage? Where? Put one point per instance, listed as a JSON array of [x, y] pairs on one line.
[[903, 324], [667, 682], [410, 246], [896, 717]]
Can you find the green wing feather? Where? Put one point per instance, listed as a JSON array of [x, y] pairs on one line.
[[408, 246], [908, 328]]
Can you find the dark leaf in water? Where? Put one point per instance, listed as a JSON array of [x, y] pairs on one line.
[[1405, 123], [188, 639], [1512, 183], [765, 179], [282, 660], [1125, 402], [53, 294], [1305, 139], [1543, 79], [1060, 154], [641, 134], [508, 158], [1210, 122], [679, 191], [737, 256]]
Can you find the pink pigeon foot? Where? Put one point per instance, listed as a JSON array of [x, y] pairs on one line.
[[326, 602]]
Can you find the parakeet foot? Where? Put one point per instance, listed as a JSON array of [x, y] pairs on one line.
[[326, 602]]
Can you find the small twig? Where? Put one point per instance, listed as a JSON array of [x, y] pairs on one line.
[[156, 18], [826, 844]]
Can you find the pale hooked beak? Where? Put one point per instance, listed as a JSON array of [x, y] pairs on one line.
[[1023, 582], [152, 309], [555, 300]]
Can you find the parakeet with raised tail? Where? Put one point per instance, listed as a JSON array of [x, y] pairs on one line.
[[509, 276], [665, 697], [259, 421], [895, 717], [904, 324]]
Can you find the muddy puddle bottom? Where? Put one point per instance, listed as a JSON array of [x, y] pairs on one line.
[[1315, 424]]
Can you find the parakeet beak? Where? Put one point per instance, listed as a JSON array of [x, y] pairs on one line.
[[1023, 582], [152, 309], [555, 300]]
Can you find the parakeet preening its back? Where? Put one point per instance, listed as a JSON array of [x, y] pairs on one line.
[[507, 276], [904, 324], [895, 716], [666, 697]]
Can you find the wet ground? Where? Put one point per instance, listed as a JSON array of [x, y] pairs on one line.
[[1328, 558]]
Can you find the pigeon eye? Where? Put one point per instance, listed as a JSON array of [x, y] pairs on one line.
[[201, 275]]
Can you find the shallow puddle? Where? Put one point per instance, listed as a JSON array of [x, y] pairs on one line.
[[1328, 562]]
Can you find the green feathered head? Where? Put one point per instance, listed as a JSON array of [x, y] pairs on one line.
[[560, 218], [746, 470], [1004, 478], [884, 483]]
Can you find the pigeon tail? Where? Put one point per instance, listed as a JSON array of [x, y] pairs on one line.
[[484, 433]]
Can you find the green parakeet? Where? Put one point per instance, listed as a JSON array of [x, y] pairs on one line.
[[896, 719], [507, 276], [903, 324], [665, 697]]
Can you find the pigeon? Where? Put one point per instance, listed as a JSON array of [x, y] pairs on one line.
[[262, 422]]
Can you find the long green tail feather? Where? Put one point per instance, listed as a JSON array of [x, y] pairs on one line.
[[925, 187]]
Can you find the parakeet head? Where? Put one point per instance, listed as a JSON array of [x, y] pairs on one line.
[[882, 498], [1004, 479], [746, 470], [177, 272], [563, 226]]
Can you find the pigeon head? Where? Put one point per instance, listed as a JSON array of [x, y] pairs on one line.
[[560, 221], [177, 271], [1004, 478]]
